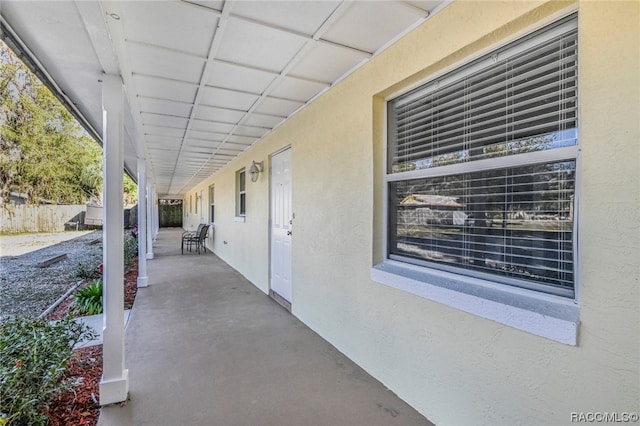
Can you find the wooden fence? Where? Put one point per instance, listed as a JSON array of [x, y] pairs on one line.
[[170, 215], [26, 218]]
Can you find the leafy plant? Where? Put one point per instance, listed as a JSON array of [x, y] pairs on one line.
[[88, 300], [83, 271], [130, 249], [130, 189], [34, 355]]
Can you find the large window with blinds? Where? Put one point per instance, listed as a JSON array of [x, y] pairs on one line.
[[481, 166]]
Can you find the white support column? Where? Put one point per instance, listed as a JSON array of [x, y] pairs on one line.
[[156, 216], [143, 281], [149, 213], [114, 385]]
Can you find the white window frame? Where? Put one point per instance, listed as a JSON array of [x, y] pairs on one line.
[[541, 314], [212, 202], [241, 195]]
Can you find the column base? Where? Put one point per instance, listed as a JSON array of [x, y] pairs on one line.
[[150, 256], [143, 282], [114, 391]]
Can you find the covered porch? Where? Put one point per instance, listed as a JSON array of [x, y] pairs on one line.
[[205, 346], [274, 122]]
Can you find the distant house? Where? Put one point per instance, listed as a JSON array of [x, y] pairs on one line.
[[419, 209], [17, 198]]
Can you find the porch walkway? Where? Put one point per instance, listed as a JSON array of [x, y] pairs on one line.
[[205, 347]]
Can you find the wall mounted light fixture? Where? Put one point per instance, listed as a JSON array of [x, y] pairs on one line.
[[255, 169]]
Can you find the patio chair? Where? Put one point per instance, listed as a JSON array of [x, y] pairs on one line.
[[190, 234], [197, 239]]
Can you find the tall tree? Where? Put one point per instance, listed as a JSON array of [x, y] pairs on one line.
[[130, 191], [44, 152]]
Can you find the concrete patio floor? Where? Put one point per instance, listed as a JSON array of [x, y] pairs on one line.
[[206, 347]]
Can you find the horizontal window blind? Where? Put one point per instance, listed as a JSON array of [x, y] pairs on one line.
[[508, 220], [525, 102], [513, 222]]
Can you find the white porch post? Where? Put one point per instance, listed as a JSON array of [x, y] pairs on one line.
[[115, 378], [156, 216], [143, 281], [149, 221]]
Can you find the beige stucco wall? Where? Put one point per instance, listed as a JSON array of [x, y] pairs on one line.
[[454, 367]]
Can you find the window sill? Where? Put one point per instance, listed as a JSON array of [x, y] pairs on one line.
[[239, 219], [543, 315]]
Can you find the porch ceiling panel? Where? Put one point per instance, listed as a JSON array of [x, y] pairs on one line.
[[241, 140], [150, 131], [282, 107], [204, 79], [157, 61], [224, 115], [163, 88], [165, 107], [164, 120], [261, 120], [170, 25], [162, 157], [233, 99], [256, 132], [385, 17], [253, 45], [242, 78], [163, 141], [297, 89], [212, 126], [300, 17], [199, 137], [335, 60]]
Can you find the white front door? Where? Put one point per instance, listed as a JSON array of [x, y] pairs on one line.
[[281, 220]]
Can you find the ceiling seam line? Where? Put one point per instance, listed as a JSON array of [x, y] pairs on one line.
[[165, 49], [268, 71], [155, 98], [159, 77], [200, 6], [163, 114]]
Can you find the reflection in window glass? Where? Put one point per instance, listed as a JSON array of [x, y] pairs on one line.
[[512, 222]]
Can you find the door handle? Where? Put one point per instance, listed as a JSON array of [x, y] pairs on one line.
[[289, 232]]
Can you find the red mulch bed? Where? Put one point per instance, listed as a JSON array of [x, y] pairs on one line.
[[130, 290], [81, 407]]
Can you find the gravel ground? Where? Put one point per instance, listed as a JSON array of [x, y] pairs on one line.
[[26, 289]]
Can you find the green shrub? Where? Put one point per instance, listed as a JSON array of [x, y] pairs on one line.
[[88, 300], [83, 271], [34, 355], [130, 249]]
